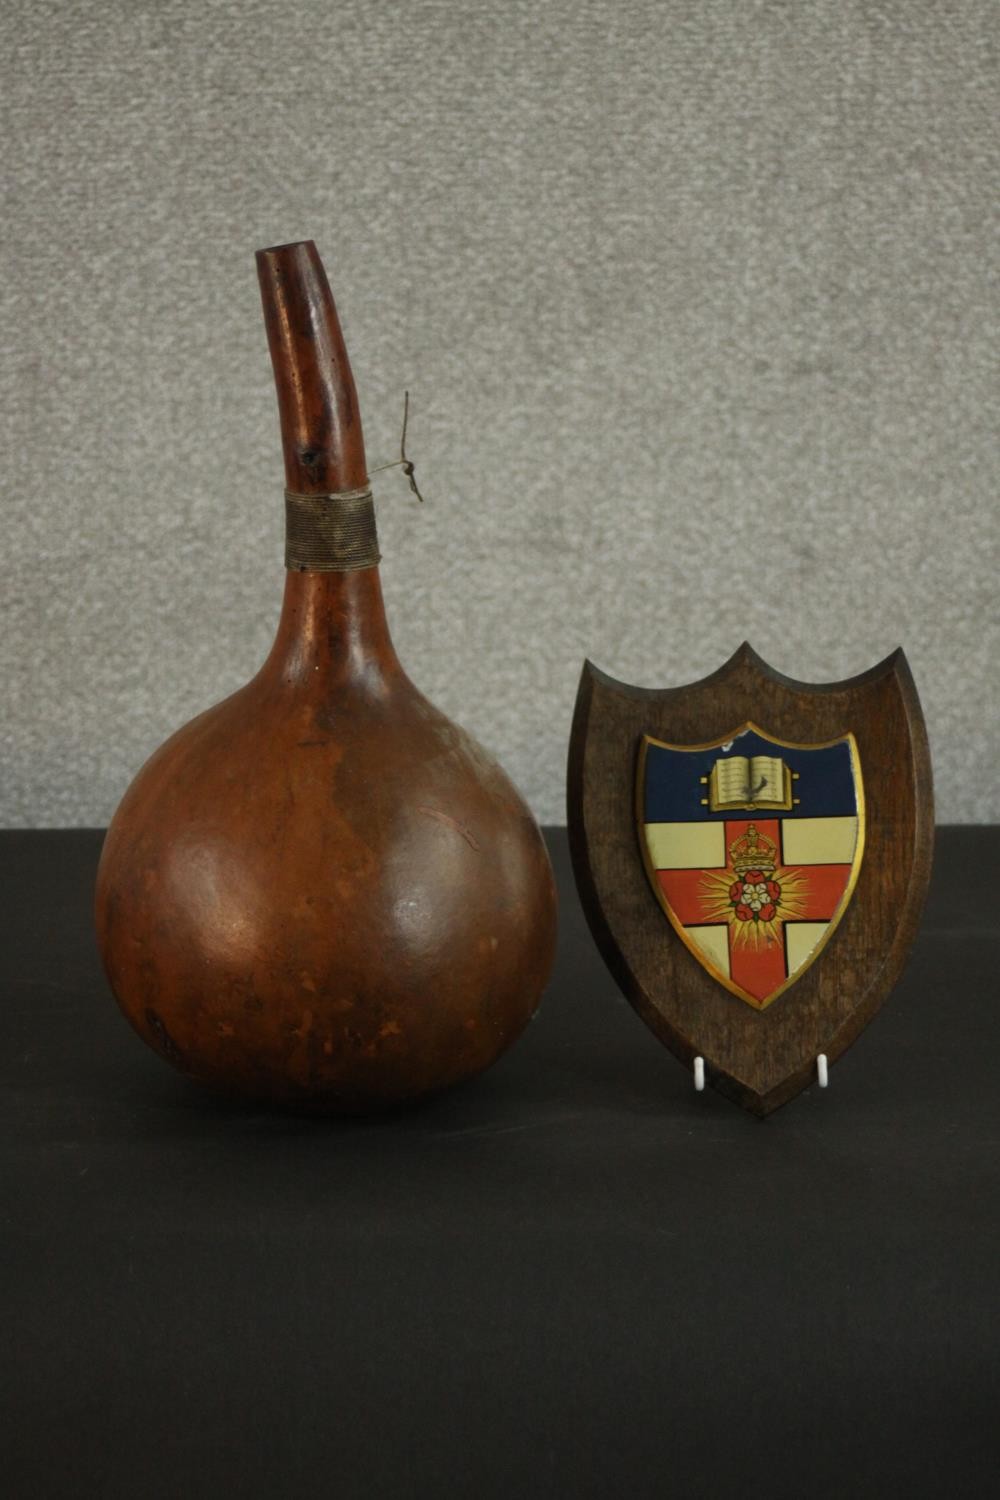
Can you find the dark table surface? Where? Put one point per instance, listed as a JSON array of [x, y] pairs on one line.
[[572, 1277]]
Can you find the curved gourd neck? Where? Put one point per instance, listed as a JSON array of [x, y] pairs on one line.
[[333, 628], [321, 432]]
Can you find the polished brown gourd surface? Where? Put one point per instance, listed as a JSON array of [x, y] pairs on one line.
[[321, 892]]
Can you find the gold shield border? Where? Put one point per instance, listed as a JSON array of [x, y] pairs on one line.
[[697, 954]]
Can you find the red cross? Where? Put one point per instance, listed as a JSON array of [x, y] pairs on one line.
[[760, 970]]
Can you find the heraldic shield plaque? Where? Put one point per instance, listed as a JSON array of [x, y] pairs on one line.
[[752, 854]]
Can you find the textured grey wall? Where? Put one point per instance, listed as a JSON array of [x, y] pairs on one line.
[[696, 301]]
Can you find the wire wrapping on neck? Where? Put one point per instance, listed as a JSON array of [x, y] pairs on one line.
[[330, 533]]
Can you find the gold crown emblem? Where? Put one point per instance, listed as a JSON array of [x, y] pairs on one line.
[[753, 851]]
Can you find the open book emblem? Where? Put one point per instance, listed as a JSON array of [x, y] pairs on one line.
[[753, 846]]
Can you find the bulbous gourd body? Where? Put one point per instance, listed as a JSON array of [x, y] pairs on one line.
[[321, 892]]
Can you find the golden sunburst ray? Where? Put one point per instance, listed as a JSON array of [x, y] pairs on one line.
[[719, 905]]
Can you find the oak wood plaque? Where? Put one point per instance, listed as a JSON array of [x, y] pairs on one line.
[[752, 854]]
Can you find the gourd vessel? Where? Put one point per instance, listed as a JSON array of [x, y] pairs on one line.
[[321, 892]]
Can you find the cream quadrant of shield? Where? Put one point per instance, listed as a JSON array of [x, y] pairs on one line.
[[753, 847]]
